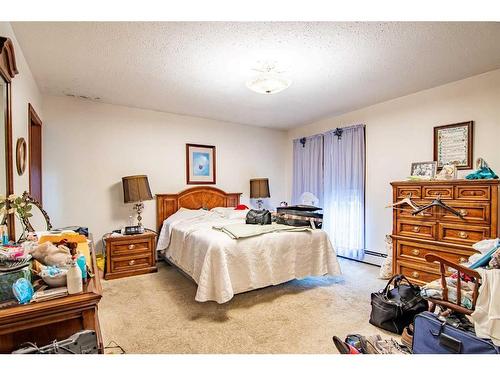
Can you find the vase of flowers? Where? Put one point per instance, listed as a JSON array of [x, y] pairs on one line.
[[15, 204]]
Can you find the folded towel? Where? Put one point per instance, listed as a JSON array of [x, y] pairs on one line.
[[237, 231]]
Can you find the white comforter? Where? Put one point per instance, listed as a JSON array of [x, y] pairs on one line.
[[223, 267]]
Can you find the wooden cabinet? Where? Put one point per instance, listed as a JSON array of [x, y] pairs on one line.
[[56, 319], [130, 255], [437, 230]]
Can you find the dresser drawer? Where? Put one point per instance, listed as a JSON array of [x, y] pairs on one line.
[[405, 191], [415, 251], [127, 248], [473, 212], [476, 193], [466, 234], [131, 262], [404, 211], [416, 273], [413, 228], [443, 191]]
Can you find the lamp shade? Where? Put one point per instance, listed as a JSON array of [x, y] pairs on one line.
[[259, 188], [136, 189]]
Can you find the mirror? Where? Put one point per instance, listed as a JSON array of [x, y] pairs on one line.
[[3, 154], [39, 219], [8, 71]]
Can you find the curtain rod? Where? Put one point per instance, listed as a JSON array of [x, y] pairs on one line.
[[331, 131]]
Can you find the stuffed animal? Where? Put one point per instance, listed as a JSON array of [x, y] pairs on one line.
[[386, 268], [51, 255]]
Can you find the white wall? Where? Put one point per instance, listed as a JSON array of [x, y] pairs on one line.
[[24, 91], [400, 131], [89, 146]]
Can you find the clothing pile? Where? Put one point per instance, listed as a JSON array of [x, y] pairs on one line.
[[358, 344], [435, 290]]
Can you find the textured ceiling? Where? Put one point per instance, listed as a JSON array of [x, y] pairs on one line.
[[200, 69]]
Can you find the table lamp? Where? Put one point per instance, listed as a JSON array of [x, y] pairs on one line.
[[259, 188], [136, 190]]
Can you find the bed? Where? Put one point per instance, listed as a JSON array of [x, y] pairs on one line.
[[222, 266]]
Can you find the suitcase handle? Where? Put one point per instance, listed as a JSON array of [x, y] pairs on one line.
[[450, 343]]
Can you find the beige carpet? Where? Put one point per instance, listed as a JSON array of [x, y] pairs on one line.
[[157, 313]]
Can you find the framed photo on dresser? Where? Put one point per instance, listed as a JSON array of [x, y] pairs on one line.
[[200, 164], [453, 144]]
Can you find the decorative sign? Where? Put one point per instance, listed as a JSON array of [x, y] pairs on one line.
[[453, 145]]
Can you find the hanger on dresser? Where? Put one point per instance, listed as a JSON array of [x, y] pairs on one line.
[[439, 203], [407, 200]]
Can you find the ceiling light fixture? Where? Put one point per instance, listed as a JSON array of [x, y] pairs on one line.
[[269, 81]]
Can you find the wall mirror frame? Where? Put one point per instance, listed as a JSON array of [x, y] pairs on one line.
[[36, 212], [8, 70]]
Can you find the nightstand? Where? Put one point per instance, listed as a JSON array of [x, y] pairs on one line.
[[129, 255]]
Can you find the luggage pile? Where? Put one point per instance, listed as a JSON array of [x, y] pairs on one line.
[[300, 216]]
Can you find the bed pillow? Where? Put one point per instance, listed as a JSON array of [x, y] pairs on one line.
[[238, 214], [241, 207], [222, 211], [185, 213]]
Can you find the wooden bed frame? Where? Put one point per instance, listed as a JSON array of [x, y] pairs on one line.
[[194, 198]]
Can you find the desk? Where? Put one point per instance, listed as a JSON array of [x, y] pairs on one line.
[[42, 322]]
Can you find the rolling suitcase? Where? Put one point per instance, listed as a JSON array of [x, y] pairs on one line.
[[434, 336]]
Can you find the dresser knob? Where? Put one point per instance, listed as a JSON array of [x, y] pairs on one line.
[[131, 247], [462, 260], [463, 212], [416, 229], [131, 262], [415, 275], [415, 252], [463, 235]]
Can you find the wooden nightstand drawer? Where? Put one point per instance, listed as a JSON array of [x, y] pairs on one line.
[[130, 263], [126, 248], [130, 255]]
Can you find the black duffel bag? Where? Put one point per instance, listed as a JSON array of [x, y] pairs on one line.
[[394, 308], [261, 217]]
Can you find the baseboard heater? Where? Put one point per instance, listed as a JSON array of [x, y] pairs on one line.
[[371, 257]]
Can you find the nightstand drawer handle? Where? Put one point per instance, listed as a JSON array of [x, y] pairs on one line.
[[462, 260], [416, 229], [131, 263], [131, 247], [415, 252], [464, 212], [463, 235], [415, 275]]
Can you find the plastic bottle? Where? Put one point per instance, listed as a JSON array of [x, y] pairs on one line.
[[80, 261], [74, 279], [5, 235]]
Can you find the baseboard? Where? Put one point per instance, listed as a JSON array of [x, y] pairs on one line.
[[371, 257]]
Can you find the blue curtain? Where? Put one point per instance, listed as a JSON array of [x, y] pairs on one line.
[[344, 190], [308, 168]]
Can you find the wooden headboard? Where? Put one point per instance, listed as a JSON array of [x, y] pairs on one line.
[[193, 198]]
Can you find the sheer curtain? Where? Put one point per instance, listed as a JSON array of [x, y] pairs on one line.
[[308, 168], [344, 190]]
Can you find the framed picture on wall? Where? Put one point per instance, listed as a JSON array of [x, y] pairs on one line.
[[453, 144], [200, 164]]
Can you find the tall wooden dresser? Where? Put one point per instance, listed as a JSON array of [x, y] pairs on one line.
[[437, 230]]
